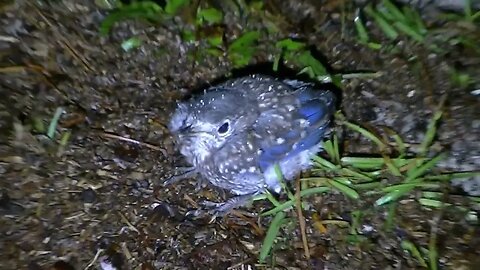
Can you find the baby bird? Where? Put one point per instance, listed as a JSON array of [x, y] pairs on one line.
[[237, 132]]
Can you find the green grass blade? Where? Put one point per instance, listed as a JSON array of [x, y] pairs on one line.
[[290, 45], [414, 20], [348, 191], [53, 124], [281, 180], [328, 146], [307, 60], [413, 250], [361, 30], [65, 138], [315, 190], [393, 196], [390, 219], [143, 10], [431, 132], [324, 163], [432, 195], [375, 174], [38, 125], [281, 207], [432, 251], [475, 199], [131, 43], [365, 163], [343, 180], [243, 48], [316, 180], [455, 175], [409, 31], [432, 203], [172, 6], [401, 148], [356, 218], [391, 167], [367, 185], [393, 11], [356, 174], [308, 71], [422, 29], [389, 31], [336, 149], [276, 61], [419, 171], [272, 233], [272, 199], [467, 9], [291, 203], [210, 15], [410, 186], [475, 16], [374, 45], [433, 258], [366, 134]]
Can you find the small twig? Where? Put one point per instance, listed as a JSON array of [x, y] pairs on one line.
[[432, 244], [125, 251], [252, 223], [129, 224], [9, 39], [13, 69], [118, 137], [341, 223], [301, 218], [75, 216], [39, 69], [64, 42], [90, 264], [190, 200]]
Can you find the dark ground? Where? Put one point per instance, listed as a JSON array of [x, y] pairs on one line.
[[64, 204]]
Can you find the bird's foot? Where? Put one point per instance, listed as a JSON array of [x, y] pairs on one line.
[[185, 172], [221, 209]]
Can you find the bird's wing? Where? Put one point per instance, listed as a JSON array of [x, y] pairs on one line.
[[297, 123]]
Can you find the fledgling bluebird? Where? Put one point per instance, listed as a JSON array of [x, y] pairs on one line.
[[235, 133]]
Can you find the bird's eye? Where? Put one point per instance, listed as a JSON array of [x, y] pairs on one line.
[[223, 129]]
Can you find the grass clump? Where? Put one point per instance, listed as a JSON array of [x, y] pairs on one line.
[[393, 22], [145, 10], [387, 178], [397, 22]]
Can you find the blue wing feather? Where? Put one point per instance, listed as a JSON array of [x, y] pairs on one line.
[[314, 106], [313, 111], [313, 138], [292, 134], [306, 95], [272, 154]]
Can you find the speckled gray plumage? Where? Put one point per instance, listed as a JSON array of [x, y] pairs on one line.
[[236, 132]]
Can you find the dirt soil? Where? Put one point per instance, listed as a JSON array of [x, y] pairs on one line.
[[96, 200]]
